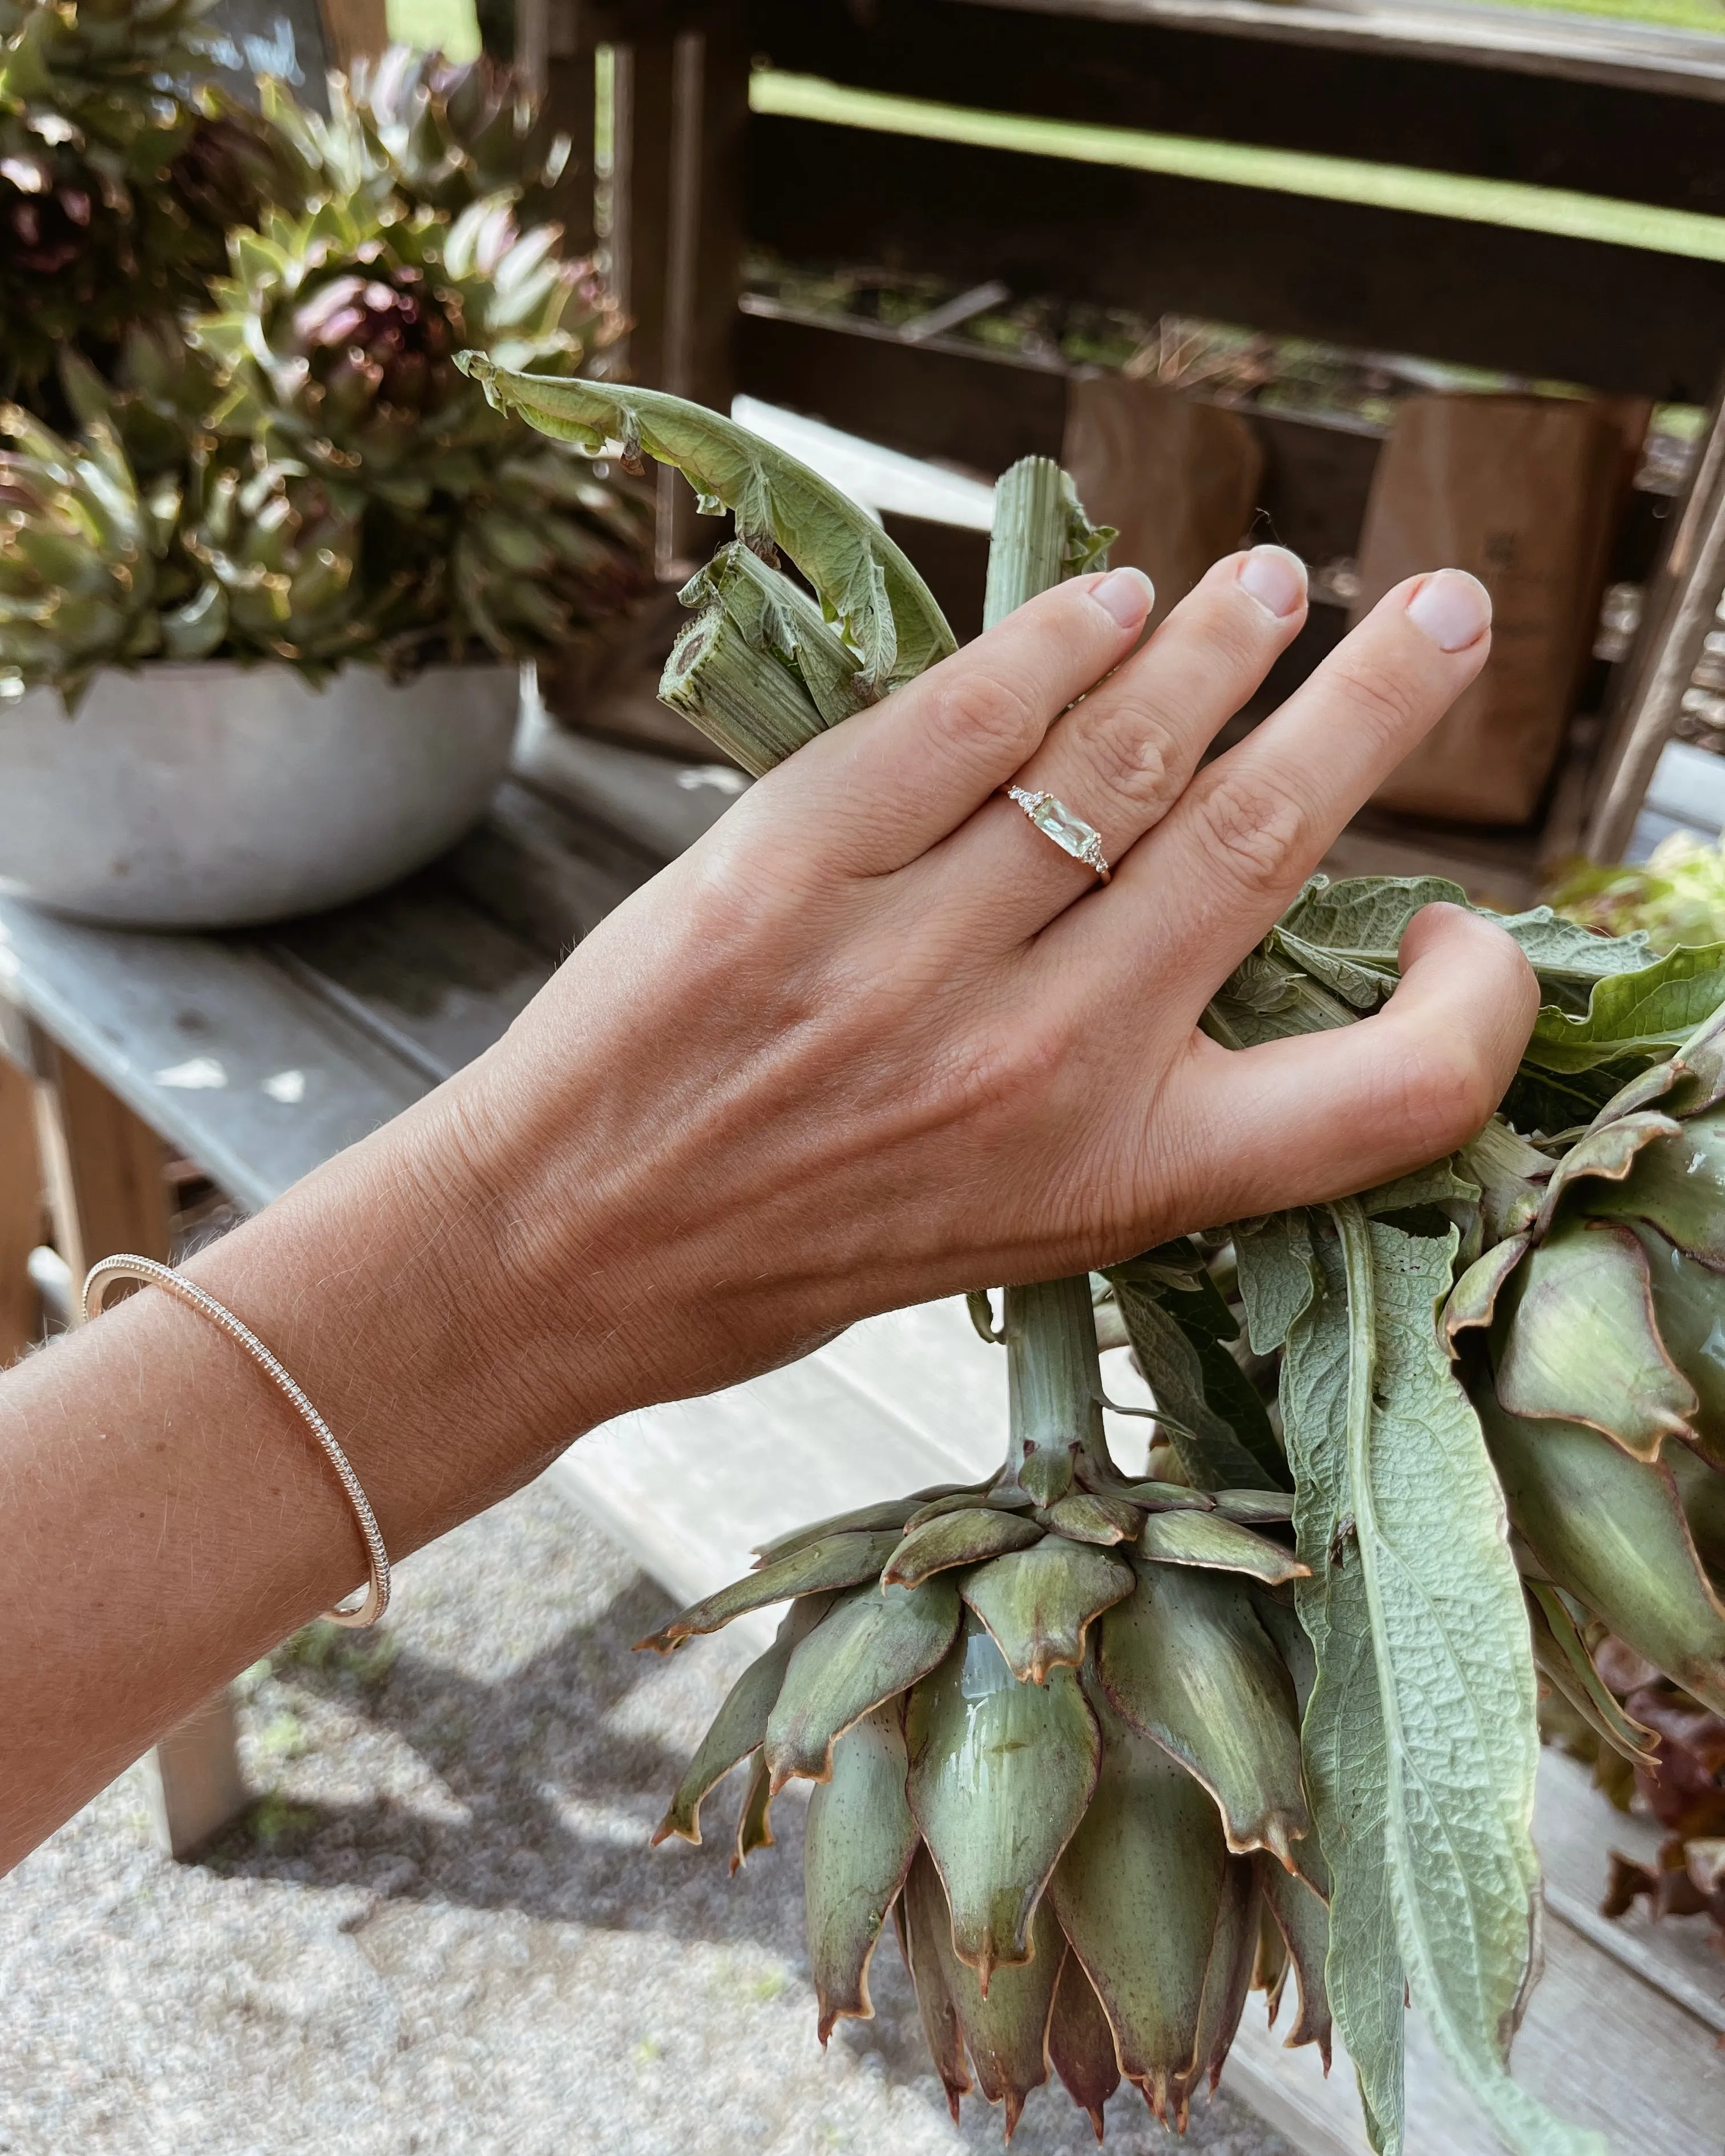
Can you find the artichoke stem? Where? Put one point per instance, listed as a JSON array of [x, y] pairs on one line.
[[747, 700], [1054, 1389], [1027, 549]]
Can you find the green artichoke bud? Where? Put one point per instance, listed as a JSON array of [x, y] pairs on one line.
[[337, 334], [91, 572], [1592, 1339], [1055, 1733], [430, 132], [117, 180]]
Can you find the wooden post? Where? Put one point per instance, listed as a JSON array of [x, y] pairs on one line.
[[554, 58], [1678, 612], [103, 1165], [106, 1194], [354, 30], [20, 1211]]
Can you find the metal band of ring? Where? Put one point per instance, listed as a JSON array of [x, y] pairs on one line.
[[128, 1266], [1070, 833]]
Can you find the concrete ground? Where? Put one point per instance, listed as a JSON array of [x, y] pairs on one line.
[[443, 1931]]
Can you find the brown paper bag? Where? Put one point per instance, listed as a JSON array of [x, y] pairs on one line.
[[1178, 478], [1522, 491]]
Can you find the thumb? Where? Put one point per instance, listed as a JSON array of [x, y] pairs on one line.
[[1323, 1115]]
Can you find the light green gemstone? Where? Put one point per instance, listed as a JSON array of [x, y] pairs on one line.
[[1070, 833]]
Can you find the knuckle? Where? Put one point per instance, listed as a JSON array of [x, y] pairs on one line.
[[1132, 755], [1442, 1093], [1378, 702], [979, 713], [1251, 827]]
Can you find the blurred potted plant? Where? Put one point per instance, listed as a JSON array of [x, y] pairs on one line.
[[273, 553]]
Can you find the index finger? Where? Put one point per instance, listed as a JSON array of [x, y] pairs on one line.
[[891, 782]]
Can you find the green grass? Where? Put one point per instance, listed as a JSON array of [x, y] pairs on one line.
[[1672, 14], [1512, 203], [450, 25]]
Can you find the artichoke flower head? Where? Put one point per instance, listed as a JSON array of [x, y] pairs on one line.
[[1052, 1725]]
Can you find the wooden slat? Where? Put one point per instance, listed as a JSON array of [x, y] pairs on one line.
[[1423, 102], [20, 1211], [140, 1009], [935, 399], [1578, 47], [193, 1783], [1612, 317], [1680, 610], [104, 1166]]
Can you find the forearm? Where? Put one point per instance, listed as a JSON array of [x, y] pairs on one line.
[[169, 1517]]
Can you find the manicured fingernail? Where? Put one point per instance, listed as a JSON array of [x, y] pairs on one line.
[[1452, 607], [1276, 578], [1127, 594]]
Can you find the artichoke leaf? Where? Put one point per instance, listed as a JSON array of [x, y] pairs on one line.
[[1086, 1517], [1303, 1921], [1562, 1657], [1080, 2044], [1164, 1496], [1138, 1894], [860, 577], [1226, 1982], [741, 1723], [1447, 1633], [1186, 1661], [968, 1537], [754, 1830], [1000, 1774], [1611, 1531], [1038, 1603], [860, 1840], [894, 1513], [1689, 1307], [921, 1911], [1004, 2029], [1189, 1372], [1211, 1540], [1576, 1340], [869, 1645], [835, 1561]]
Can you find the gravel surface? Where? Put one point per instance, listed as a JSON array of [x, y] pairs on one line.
[[443, 1931]]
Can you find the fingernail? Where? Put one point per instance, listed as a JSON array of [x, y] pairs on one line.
[[1452, 607], [1276, 578], [1127, 594]]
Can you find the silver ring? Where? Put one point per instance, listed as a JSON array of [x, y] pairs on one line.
[[1070, 833]]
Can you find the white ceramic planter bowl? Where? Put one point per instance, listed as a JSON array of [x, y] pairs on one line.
[[214, 796]]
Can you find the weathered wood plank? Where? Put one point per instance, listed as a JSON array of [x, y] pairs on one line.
[[20, 1211], [245, 1071], [1612, 317], [1387, 84], [104, 1166]]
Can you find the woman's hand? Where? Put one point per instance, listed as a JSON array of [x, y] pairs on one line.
[[875, 1039]]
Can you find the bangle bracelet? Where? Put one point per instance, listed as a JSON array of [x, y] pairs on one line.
[[101, 1277]]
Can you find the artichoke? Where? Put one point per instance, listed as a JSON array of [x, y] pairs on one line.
[[335, 341], [91, 572], [429, 133], [117, 180], [1052, 1720], [1590, 1340]]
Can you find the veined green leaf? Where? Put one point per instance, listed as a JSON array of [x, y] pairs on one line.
[[1217, 1425], [1347, 1765], [1455, 1673], [862, 578], [1276, 1277], [1641, 1016]]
